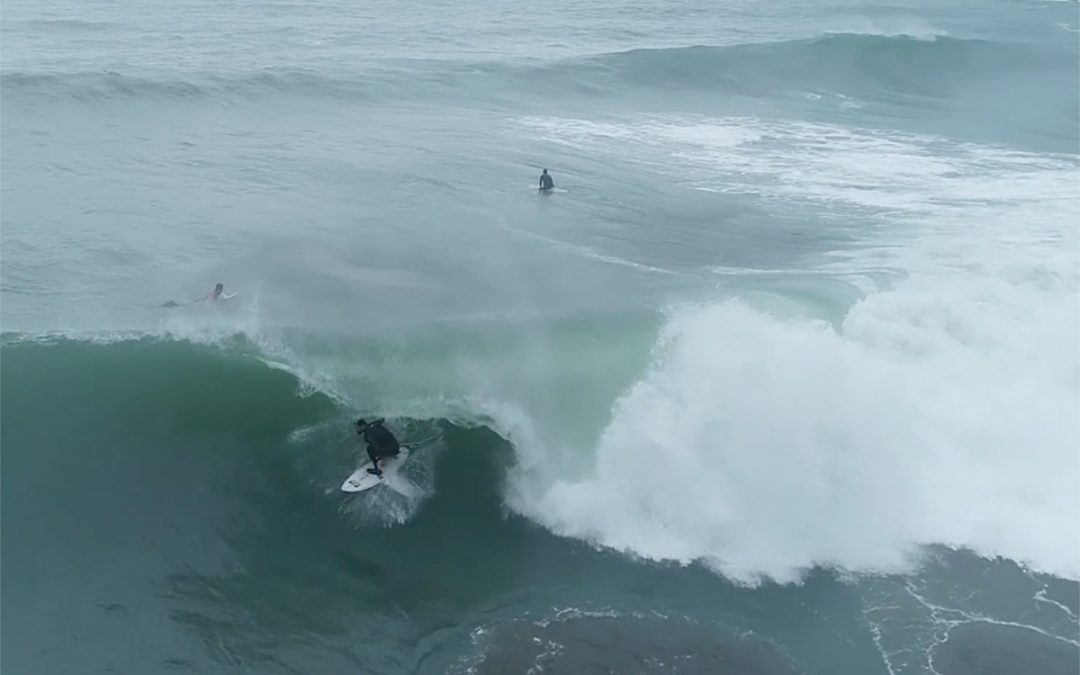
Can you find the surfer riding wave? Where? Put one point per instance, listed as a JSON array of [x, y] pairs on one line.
[[381, 443]]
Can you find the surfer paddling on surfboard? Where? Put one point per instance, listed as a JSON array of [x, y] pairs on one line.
[[219, 288], [217, 294], [381, 444]]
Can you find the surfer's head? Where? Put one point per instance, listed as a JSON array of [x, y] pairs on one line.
[[545, 172], [218, 289], [361, 424]]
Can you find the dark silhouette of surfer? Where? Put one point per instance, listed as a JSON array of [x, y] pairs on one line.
[[381, 444], [546, 182]]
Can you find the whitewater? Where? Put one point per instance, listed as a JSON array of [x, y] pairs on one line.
[[914, 423]]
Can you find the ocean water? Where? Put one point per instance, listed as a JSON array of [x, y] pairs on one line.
[[783, 379]]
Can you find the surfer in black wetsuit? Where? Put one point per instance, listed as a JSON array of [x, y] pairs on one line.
[[546, 183], [381, 444]]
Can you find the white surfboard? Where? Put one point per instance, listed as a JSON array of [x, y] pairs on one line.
[[224, 296], [361, 480]]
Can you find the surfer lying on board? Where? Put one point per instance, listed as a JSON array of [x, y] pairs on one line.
[[217, 293], [381, 444], [546, 182], [219, 288]]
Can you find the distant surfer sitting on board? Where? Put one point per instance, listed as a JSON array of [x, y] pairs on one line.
[[381, 444], [546, 183]]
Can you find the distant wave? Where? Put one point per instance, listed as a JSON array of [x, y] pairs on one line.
[[109, 85], [843, 62], [838, 60], [64, 24]]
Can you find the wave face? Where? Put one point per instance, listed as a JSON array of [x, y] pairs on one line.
[[178, 385], [919, 389], [215, 456]]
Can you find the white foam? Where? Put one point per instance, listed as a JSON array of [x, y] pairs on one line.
[[942, 409], [891, 26], [828, 164]]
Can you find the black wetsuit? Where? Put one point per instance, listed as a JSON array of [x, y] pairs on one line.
[[380, 442], [546, 183]]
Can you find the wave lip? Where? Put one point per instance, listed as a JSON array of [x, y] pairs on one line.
[[196, 386]]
